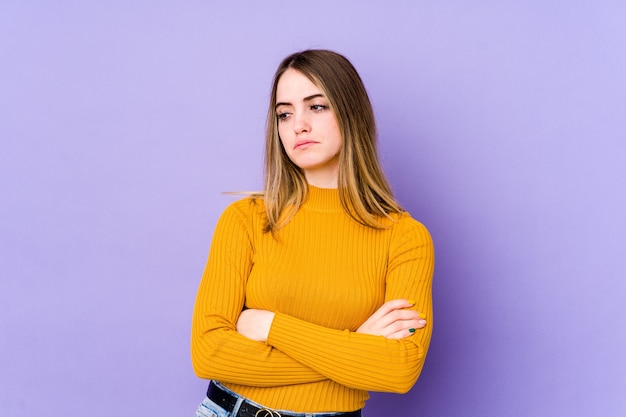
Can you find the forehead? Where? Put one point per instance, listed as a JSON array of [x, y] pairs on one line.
[[295, 86]]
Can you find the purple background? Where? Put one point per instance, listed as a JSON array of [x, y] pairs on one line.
[[502, 128]]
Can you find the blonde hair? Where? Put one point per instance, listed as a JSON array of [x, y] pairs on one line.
[[363, 189]]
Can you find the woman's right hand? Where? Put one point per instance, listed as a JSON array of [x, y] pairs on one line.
[[393, 320]]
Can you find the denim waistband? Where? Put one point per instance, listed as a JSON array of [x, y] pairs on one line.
[[229, 400]]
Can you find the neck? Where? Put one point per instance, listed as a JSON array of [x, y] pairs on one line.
[[322, 179]]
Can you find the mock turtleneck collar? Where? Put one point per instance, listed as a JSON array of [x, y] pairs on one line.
[[323, 199]]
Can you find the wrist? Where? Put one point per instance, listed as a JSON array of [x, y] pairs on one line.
[[255, 324], [268, 319]]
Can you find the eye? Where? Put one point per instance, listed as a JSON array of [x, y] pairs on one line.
[[318, 107], [283, 116]]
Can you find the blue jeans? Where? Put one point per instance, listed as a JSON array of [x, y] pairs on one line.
[[209, 409]]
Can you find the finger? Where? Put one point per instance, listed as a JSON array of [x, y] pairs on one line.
[[399, 335], [390, 306], [404, 326], [404, 333], [397, 316], [397, 325], [399, 303]]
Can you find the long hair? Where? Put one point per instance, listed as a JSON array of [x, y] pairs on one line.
[[363, 189]]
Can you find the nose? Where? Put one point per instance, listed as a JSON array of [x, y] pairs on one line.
[[301, 123]]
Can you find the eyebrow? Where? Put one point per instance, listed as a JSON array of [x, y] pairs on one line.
[[309, 98]]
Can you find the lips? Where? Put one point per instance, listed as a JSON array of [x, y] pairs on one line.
[[304, 143]]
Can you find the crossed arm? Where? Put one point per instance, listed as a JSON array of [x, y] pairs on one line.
[[263, 348], [393, 320]]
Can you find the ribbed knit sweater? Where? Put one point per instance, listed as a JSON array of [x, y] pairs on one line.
[[323, 274]]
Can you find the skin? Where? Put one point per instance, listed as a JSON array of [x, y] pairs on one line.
[[308, 129], [310, 135]]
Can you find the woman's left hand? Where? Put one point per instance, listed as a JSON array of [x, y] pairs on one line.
[[255, 324], [393, 320]]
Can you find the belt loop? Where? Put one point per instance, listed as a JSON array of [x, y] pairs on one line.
[[240, 400]]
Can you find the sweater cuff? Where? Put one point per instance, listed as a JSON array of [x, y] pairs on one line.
[[286, 328], [278, 329], [288, 333]]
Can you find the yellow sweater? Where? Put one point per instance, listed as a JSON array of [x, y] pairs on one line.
[[323, 275]]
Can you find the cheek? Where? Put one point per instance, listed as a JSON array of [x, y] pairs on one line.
[[282, 132], [338, 139], [282, 140], [286, 137], [334, 132], [283, 144]]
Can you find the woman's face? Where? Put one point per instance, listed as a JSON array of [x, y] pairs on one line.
[[308, 128]]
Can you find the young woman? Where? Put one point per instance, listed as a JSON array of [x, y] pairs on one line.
[[317, 290]]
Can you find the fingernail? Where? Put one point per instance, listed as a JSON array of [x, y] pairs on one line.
[[421, 315], [411, 330], [412, 302], [422, 322]]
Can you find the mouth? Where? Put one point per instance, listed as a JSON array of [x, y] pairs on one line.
[[303, 144]]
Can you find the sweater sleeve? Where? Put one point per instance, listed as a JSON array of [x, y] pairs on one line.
[[367, 362], [217, 350]]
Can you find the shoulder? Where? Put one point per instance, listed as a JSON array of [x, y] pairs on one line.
[[249, 204], [407, 229], [246, 211]]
